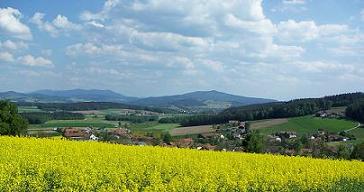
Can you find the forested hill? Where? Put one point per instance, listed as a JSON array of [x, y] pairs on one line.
[[297, 107]]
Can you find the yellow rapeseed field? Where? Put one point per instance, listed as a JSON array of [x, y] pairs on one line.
[[30, 164]]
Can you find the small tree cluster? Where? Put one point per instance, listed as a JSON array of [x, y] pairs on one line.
[[11, 123]]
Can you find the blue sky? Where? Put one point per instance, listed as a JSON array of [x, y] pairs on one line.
[[279, 49]]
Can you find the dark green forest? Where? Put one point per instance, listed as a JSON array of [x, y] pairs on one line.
[[131, 118], [42, 117], [356, 111]]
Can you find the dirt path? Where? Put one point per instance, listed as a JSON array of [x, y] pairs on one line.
[[353, 128]]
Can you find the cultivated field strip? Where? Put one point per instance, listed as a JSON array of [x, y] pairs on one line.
[[30, 164]]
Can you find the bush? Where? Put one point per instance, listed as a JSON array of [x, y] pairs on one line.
[[254, 142]]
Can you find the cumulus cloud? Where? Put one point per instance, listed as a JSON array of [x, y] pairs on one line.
[[59, 25], [192, 42], [321, 66], [10, 24], [6, 56], [13, 45], [95, 24], [62, 22], [32, 61], [303, 31], [195, 31]]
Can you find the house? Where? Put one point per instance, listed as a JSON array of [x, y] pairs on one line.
[[185, 142], [208, 147], [93, 137], [337, 138], [121, 132], [242, 125], [321, 114], [274, 139], [286, 134], [77, 133], [234, 122], [239, 133]]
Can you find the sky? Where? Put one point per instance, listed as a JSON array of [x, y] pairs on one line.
[[280, 49]]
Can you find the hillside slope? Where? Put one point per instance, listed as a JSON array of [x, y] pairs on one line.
[[86, 95]]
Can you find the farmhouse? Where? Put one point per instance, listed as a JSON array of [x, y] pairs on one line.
[[121, 132], [185, 142], [274, 139], [286, 134], [77, 133], [234, 123]]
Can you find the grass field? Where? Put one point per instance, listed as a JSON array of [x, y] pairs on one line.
[[25, 109], [359, 135], [308, 125], [151, 127], [29, 164], [192, 130]]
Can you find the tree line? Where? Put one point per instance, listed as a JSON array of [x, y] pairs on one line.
[[84, 106], [131, 118], [356, 111], [42, 117]]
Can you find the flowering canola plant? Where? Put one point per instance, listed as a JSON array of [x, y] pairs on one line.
[[31, 164]]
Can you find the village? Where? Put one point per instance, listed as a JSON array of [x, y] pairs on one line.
[[232, 136]]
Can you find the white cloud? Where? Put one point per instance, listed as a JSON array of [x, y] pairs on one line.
[[95, 24], [43, 26], [13, 45], [193, 41], [291, 30], [102, 15], [10, 24], [30, 60], [263, 26], [62, 22], [213, 65], [362, 14], [294, 2], [297, 32], [92, 49], [321, 66], [59, 25], [6, 56]]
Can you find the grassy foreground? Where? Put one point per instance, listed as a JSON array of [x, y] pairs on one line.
[[29, 164]]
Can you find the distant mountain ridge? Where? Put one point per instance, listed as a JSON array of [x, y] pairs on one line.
[[201, 98], [87, 95], [193, 101]]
